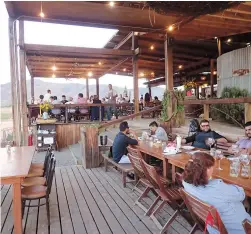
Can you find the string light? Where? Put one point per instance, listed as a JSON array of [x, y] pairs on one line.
[[54, 68], [124, 69], [229, 40], [89, 74], [99, 63], [41, 14], [170, 28], [53, 76], [152, 47], [180, 66], [215, 72], [215, 38], [111, 4], [136, 33], [116, 73], [152, 73]]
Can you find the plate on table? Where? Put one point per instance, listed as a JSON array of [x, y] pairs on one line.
[[140, 138], [187, 147]]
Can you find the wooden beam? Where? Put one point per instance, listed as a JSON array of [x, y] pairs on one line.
[[247, 112], [32, 88], [97, 87], [87, 87], [168, 64], [123, 41], [22, 63], [233, 16], [135, 74], [52, 49]]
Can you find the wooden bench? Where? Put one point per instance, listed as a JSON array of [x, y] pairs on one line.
[[123, 167]]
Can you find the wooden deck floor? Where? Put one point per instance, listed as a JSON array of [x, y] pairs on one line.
[[87, 201]]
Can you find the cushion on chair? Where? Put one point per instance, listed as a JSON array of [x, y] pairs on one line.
[[33, 181], [35, 172], [31, 192], [37, 165]]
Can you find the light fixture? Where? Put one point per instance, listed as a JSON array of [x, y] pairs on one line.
[[152, 47], [54, 68], [180, 66], [116, 73], [41, 14], [89, 74], [203, 78], [99, 63], [229, 40], [215, 72], [136, 33], [111, 4], [141, 74], [248, 44], [170, 28], [124, 69], [53, 76], [152, 73], [215, 38]]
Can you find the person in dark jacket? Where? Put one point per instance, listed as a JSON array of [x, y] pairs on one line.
[[121, 141], [199, 138]]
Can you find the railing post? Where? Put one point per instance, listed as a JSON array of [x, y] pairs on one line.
[[247, 112], [206, 111]]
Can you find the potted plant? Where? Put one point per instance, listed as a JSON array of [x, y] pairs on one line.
[[45, 108]]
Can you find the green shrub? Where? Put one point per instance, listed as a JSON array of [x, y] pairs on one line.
[[231, 113]]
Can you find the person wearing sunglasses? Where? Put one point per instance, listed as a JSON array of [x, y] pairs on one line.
[[199, 139]]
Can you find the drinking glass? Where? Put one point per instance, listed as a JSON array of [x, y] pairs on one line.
[[234, 167], [235, 149], [210, 141], [245, 167], [219, 156]]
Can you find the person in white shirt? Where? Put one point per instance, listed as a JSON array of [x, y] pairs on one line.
[[111, 96], [119, 99], [47, 96], [56, 111], [158, 132], [70, 102]]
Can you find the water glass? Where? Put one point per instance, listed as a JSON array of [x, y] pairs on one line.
[[245, 167], [219, 156], [163, 146], [235, 149], [234, 167]]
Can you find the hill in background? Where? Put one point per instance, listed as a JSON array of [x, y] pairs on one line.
[[69, 89]]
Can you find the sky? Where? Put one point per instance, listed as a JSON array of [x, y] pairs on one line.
[[54, 34]]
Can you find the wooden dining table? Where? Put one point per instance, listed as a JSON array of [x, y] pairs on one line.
[[181, 159], [14, 168]]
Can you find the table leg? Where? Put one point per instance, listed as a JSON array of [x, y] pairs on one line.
[[17, 208], [165, 168], [173, 173]]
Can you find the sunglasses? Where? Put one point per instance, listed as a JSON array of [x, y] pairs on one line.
[[203, 126]]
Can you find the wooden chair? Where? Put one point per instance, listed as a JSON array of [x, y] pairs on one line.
[[201, 212], [39, 180], [168, 195], [39, 192], [223, 147], [135, 158], [42, 165], [247, 226]]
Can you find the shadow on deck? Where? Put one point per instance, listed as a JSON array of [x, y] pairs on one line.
[[87, 201]]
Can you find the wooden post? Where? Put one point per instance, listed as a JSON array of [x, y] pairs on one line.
[[169, 71], [90, 149], [22, 64], [212, 76], [150, 90], [97, 86], [135, 74], [197, 90], [219, 46], [32, 89], [247, 112], [206, 111], [87, 88]]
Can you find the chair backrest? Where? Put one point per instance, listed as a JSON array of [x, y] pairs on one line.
[[135, 161], [51, 174], [247, 226], [223, 146], [200, 211], [178, 179], [47, 163], [48, 152], [134, 152]]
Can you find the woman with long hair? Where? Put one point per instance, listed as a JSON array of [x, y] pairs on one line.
[[226, 198]]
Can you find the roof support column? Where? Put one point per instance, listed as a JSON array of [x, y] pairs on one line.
[[97, 86], [212, 76], [169, 70], [32, 89], [135, 73], [23, 89], [87, 88]]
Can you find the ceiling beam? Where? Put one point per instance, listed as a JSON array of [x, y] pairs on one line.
[[124, 40]]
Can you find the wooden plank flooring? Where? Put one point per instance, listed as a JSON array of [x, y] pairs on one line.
[[87, 201]]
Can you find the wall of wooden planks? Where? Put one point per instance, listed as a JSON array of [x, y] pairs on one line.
[[67, 134]]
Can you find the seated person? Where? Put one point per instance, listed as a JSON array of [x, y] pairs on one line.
[[41, 99], [158, 132], [82, 100], [71, 110], [95, 109], [245, 143], [121, 141], [199, 139], [64, 99], [55, 111], [226, 198]]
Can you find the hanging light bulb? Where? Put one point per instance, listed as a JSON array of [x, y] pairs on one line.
[[152, 47], [99, 63], [111, 4], [53, 76], [141, 74], [54, 68], [124, 69], [89, 74], [180, 66], [41, 14], [170, 28], [215, 72], [229, 40], [152, 73]]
